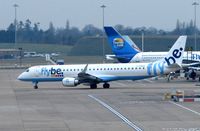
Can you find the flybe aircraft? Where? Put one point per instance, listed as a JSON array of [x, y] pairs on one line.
[[93, 74], [125, 50]]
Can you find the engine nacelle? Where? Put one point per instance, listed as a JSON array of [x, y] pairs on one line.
[[70, 81], [192, 74]]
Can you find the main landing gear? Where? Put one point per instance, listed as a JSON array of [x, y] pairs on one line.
[[106, 85], [35, 86], [94, 86]]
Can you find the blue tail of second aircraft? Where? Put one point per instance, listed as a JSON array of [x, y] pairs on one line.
[[120, 45]]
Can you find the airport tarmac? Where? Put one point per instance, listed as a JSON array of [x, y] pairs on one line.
[[126, 106]]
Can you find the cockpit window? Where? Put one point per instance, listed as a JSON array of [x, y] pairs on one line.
[[27, 70]]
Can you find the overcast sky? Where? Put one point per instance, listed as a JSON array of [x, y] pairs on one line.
[[161, 14]]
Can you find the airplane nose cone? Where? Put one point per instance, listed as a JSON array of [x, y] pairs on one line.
[[19, 77]]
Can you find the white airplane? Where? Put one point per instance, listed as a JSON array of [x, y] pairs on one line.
[[93, 74], [126, 51]]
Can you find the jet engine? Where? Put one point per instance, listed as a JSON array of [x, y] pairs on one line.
[[192, 74], [70, 81]]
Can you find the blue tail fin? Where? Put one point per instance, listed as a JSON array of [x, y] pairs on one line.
[[120, 46]]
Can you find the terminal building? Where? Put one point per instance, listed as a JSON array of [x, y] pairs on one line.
[[11, 53]]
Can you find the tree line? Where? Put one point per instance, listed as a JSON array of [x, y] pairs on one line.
[[28, 32]]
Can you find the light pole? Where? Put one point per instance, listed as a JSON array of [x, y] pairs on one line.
[[142, 41], [15, 6], [103, 51], [195, 31], [20, 56]]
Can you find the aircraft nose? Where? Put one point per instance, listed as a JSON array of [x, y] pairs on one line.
[[21, 77]]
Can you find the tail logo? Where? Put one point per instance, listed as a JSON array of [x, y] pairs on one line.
[[118, 43], [175, 55]]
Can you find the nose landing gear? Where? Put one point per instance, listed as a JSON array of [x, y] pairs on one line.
[[35, 86]]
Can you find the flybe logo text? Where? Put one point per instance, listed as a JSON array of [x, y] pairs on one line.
[[155, 68], [175, 55], [52, 72]]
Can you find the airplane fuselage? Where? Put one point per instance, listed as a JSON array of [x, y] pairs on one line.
[[106, 72], [73, 75], [154, 56]]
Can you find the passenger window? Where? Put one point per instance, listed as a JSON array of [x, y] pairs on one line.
[[27, 70]]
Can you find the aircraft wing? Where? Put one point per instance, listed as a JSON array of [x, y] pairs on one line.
[[121, 57], [194, 68], [110, 57], [84, 77], [191, 65]]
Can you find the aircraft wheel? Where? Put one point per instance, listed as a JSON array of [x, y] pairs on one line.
[[35, 87], [106, 85], [199, 78], [93, 86]]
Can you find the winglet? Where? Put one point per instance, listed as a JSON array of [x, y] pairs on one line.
[[83, 72], [85, 69]]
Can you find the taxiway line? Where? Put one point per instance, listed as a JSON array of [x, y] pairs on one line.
[[128, 122], [197, 113]]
